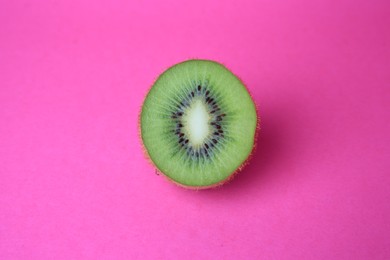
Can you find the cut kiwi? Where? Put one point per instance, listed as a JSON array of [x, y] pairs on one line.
[[198, 124]]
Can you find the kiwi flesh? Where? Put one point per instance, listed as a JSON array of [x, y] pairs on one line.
[[198, 124]]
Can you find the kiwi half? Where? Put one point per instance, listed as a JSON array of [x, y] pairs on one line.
[[198, 124]]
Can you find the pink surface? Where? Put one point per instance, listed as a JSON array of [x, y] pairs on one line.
[[74, 183]]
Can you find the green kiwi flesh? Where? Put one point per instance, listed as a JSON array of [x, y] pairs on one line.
[[198, 123]]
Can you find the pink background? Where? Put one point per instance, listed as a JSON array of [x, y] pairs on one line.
[[74, 183]]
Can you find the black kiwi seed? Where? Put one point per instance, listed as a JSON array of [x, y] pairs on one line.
[[180, 114], [180, 125], [219, 118], [207, 147], [218, 126], [199, 88], [192, 94], [186, 142], [215, 141], [207, 92]]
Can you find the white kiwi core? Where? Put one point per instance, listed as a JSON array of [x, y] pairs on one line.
[[197, 122]]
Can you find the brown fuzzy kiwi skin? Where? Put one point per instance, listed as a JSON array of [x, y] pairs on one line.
[[230, 177]]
